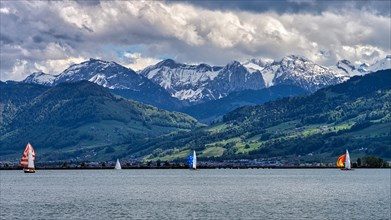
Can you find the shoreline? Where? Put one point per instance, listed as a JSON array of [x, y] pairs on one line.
[[181, 168]]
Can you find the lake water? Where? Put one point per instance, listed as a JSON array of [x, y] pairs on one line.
[[204, 194]]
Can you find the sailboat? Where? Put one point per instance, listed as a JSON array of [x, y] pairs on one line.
[[194, 161], [28, 158], [117, 165], [343, 161]]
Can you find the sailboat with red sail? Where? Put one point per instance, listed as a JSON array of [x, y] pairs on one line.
[[343, 161], [28, 158]]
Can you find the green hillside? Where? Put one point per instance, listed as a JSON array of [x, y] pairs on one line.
[[354, 115], [84, 121]]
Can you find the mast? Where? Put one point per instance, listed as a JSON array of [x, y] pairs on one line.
[[194, 160], [347, 160]]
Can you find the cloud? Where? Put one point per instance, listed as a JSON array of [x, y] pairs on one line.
[[296, 6], [137, 61], [55, 66], [4, 10], [37, 35]]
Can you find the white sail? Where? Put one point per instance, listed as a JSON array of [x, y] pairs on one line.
[[347, 160], [117, 165], [194, 160], [30, 159]]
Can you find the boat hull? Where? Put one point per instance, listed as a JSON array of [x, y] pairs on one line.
[[28, 170], [345, 169]]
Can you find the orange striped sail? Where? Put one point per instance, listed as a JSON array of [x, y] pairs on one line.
[[341, 161], [24, 161]]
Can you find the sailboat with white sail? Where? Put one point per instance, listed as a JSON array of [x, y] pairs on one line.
[[343, 161], [117, 165], [28, 158], [194, 161]]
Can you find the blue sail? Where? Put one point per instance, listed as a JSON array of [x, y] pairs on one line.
[[190, 161]]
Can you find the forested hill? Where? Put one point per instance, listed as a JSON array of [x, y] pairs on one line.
[[354, 115], [321, 106], [83, 119]]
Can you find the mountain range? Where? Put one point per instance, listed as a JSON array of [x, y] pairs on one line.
[[99, 109], [199, 83], [198, 89], [119, 79]]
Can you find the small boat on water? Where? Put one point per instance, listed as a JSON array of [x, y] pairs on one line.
[[28, 158], [117, 165], [343, 161], [193, 161]]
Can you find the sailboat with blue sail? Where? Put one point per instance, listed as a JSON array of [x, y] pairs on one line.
[[192, 161]]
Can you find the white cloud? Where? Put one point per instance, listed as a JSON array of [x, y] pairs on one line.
[[58, 65], [137, 61], [19, 69], [49, 34], [361, 53], [5, 10]]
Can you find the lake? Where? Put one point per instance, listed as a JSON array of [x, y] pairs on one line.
[[203, 194]]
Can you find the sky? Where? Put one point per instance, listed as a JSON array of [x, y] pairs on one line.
[[50, 36]]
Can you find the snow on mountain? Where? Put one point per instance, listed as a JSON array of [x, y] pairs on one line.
[[121, 80], [257, 64], [99, 79], [172, 75], [235, 77], [382, 64], [363, 68], [40, 78], [184, 82], [201, 82], [253, 65], [299, 71], [104, 73], [296, 70], [349, 69]]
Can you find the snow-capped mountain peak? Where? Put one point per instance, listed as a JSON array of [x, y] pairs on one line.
[[349, 69], [170, 63], [201, 82], [104, 73], [299, 71], [40, 78], [382, 64]]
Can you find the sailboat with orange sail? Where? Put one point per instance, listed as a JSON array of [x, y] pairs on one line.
[[343, 161], [28, 158]]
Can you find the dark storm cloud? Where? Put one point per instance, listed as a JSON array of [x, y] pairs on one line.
[[4, 39], [88, 2], [295, 6]]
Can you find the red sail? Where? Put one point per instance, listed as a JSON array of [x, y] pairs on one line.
[[24, 161], [341, 161]]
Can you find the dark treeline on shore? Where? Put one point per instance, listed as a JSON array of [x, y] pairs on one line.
[[273, 163]]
